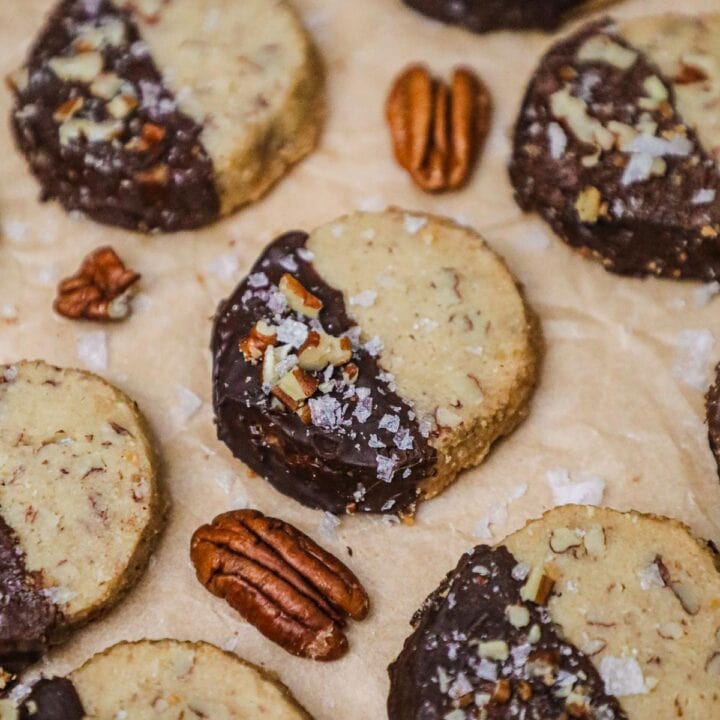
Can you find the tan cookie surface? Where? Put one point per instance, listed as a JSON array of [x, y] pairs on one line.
[[78, 484], [175, 680], [641, 596], [686, 49], [457, 336], [248, 74]]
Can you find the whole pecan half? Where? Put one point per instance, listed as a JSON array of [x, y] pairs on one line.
[[99, 289], [437, 131], [294, 592]]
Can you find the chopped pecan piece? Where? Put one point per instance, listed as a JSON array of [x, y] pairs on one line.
[[99, 290], [151, 136], [437, 131], [294, 592], [158, 175], [688, 74], [294, 388], [299, 298], [260, 337]]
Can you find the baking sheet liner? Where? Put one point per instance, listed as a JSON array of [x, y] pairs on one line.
[[620, 398]]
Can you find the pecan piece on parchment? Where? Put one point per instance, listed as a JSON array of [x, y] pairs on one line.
[[99, 290], [294, 592], [437, 131]]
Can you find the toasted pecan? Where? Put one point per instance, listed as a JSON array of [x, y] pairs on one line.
[[294, 592], [437, 131]]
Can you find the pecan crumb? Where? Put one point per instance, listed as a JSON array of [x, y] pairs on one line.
[[99, 290]]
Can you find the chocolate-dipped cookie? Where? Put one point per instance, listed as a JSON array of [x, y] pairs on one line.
[[482, 16], [80, 505], [481, 649], [712, 409], [580, 594], [363, 366], [160, 115], [615, 145], [149, 679]]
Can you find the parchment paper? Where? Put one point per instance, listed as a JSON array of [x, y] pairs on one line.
[[613, 400]]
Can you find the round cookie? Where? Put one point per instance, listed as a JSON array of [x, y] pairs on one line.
[[80, 504], [482, 16], [166, 114], [479, 649], [363, 366], [167, 678], [636, 595], [616, 149], [642, 595]]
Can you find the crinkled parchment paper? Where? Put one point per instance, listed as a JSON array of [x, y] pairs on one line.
[[621, 396]]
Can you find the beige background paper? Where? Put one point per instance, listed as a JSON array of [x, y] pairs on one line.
[[614, 400]]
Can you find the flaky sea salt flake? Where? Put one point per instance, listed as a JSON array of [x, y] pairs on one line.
[[693, 352], [92, 350], [584, 489]]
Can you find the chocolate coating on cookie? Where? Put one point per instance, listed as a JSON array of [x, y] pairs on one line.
[[100, 130], [52, 699], [712, 408], [26, 611], [479, 650], [486, 15], [602, 153], [360, 447]]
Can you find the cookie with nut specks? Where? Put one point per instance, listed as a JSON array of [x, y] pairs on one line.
[[616, 148], [166, 114], [80, 505], [588, 612], [163, 678], [363, 366], [482, 16]]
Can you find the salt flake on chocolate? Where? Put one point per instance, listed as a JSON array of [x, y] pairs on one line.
[[386, 467], [703, 196], [363, 409], [258, 280], [558, 140], [292, 332], [389, 422], [403, 440], [288, 262], [326, 412]]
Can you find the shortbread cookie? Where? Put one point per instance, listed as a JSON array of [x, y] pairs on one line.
[[641, 595], [166, 114], [637, 596], [169, 679], [616, 145], [363, 366], [482, 650], [80, 504], [486, 15]]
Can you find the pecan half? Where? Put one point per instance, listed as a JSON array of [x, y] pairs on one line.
[[294, 592], [437, 131], [99, 290]]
